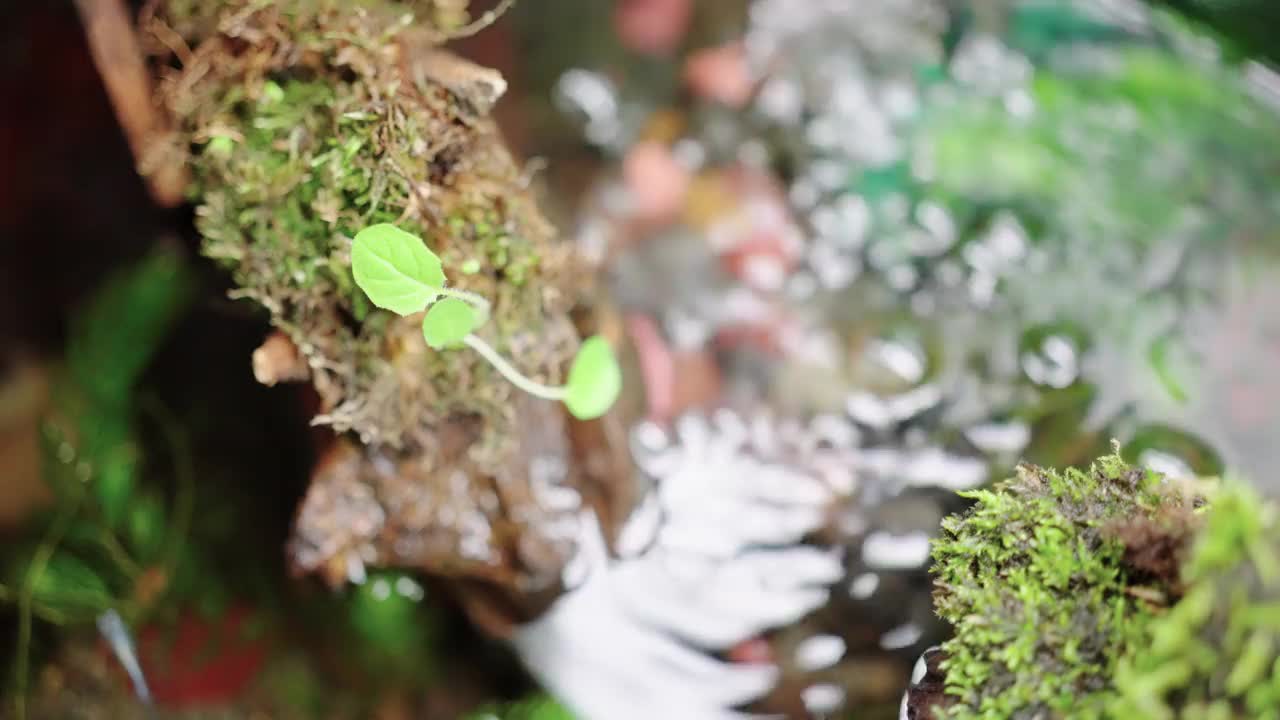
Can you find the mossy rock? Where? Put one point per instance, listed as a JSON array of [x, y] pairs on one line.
[[1044, 592], [1111, 593], [1216, 653], [304, 122]]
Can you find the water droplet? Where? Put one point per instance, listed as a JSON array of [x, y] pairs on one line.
[[593, 97], [409, 588], [869, 410], [901, 637], [907, 361], [1054, 364], [823, 699], [356, 574], [689, 153], [886, 551], [819, 652], [864, 586], [1169, 465], [1007, 438], [804, 194]]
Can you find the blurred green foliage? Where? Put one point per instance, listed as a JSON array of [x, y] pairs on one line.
[[539, 707], [84, 554], [1216, 653]]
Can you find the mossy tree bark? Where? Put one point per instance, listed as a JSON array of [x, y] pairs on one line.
[[303, 122]]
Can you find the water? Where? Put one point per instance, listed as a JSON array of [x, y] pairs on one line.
[[1011, 230]]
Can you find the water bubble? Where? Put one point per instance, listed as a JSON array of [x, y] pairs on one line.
[[689, 153], [902, 277], [801, 286], [1055, 364], [834, 269], [753, 153], [823, 699], [1167, 464], [942, 228], [900, 637], [409, 588], [1173, 452], [592, 96], [781, 100], [869, 410], [804, 194], [819, 652], [1006, 438], [864, 586], [887, 551]]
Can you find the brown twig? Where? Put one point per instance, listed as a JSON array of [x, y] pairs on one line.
[[119, 60]]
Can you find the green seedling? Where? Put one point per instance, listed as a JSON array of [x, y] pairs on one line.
[[400, 273]]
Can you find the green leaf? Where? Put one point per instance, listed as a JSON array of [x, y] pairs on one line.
[[395, 631], [395, 269], [146, 530], [448, 322], [68, 585], [118, 330], [595, 380], [115, 480]]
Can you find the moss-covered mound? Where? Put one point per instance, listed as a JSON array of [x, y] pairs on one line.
[[1044, 592], [1216, 654], [1112, 593], [305, 121]]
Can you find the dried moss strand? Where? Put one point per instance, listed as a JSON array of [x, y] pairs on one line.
[[509, 371]]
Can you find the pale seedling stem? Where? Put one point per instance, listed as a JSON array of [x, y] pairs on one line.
[[509, 371]]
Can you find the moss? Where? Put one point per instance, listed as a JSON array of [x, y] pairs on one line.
[[538, 707], [1216, 653], [1036, 583], [1112, 593], [305, 121]]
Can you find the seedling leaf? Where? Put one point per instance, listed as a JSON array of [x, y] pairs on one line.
[[448, 322], [595, 380], [395, 269]]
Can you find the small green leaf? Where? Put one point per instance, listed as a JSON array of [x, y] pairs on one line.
[[220, 146], [448, 322], [69, 585], [272, 93], [395, 269], [595, 380], [114, 482], [146, 529]]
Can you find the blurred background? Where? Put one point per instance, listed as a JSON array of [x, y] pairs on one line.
[[946, 234]]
